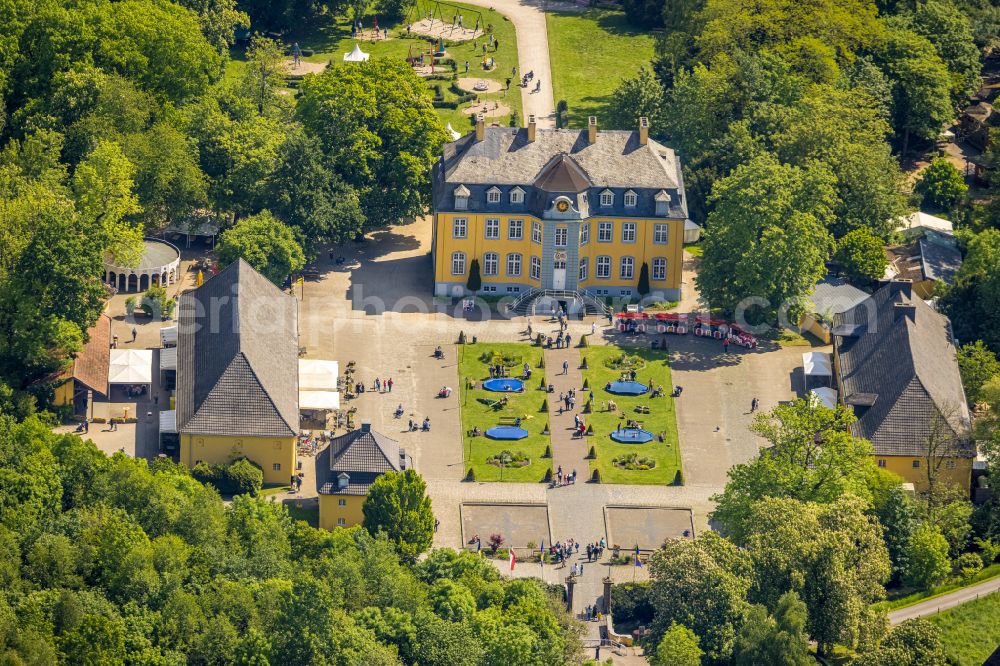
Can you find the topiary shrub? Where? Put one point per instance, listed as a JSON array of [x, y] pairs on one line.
[[545, 428], [470, 475], [548, 452], [130, 304], [541, 362], [461, 337], [584, 342], [592, 454], [548, 475], [590, 430], [678, 479], [588, 408], [586, 382], [585, 366], [545, 406], [596, 476]]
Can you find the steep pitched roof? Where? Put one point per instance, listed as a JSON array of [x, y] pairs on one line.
[[562, 174], [237, 357], [900, 360], [91, 365], [364, 455]]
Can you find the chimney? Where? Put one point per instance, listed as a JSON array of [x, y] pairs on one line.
[[366, 427], [901, 286], [643, 131], [592, 130], [480, 127], [532, 126], [907, 309]]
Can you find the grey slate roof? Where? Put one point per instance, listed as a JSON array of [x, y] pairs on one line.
[[364, 455], [237, 357], [901, 355], [940, 257], [833, 295]]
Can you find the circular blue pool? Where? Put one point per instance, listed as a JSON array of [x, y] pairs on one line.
[[504, 385], [632, 436], [506, 432], [627, 388]]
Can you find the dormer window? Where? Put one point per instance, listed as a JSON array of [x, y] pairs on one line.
[[462, 197], [631, 199], [343, 480], [607, 198], [517, 195], [662, 200], [493, 195]]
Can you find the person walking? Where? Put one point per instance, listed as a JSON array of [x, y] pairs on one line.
[[593, 328], [565, 367], [135, 333], [754, 404], [466, 66], [389, 384], [567, 340]]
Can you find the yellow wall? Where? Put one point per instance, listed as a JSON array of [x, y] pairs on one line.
[[475, 245], [64, 393], [810, 324], [959, 476], [330, 510], [265, 451]]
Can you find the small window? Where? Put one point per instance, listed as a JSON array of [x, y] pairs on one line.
[[605, 231], [491, 263], [341, 502], [949, 464], [459, 227], [513, 290], [659, 268], [628, 232], [584, 269], [493, 195], [881, 462], [625, 292], [515, 230], [607, 198], [342, 522], [661, 234], [561, 235], [517, 195], [489, 287], [458, 263], [536, 268], [492, 228], [584, 233], [631, 199], [536, 232], [604, 266], [916, 464], [627, 268], [513, 264], [276, 467]]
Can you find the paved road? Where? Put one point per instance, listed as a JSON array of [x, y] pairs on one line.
[[532, 55], [944, 602]]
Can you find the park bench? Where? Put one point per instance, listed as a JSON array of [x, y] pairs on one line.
[[508, 420], [642, 409]]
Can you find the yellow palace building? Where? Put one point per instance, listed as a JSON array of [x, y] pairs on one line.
[[558, 210]]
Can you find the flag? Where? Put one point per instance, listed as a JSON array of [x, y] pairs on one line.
[[541, 553], [512, 559], [638, 562]]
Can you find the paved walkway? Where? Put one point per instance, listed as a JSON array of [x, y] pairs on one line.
[[568, 451], [532, 55], [945, 601]]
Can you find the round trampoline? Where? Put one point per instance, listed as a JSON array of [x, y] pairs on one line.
[[627, 388], [506, 432], [632, 436], [504, 385]]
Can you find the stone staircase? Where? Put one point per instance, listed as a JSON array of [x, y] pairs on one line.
[[538, 301]]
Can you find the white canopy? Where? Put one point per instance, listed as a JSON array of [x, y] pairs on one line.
[[168, 359], [357, 55], [692, 232], [824, 396], [131, 366], [817, 364], [319, 400], [317, 375], [921, 220], [168, 336], [168, 421], [455, 136]]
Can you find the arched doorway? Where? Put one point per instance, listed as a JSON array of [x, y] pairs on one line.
[[132, 282], [143, 282]]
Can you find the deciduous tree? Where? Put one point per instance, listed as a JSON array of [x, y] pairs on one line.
[[398, 505], [264, 243]]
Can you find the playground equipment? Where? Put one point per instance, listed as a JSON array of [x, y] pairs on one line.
[[435, 11]]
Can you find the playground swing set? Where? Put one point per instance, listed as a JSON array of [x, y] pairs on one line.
[[434, 10]]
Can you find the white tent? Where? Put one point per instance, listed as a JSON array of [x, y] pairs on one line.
[[317, 375], [357, 55], [692, 232], [455, 136], [816, 364], [168, 421], [168, 336], [319, 400], [916, 221], [131, 366], [824, 396], [168, 359]]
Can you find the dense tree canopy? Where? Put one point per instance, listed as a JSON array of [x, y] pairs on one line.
[[264, 243]]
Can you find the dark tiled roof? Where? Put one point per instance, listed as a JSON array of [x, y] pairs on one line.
[[91, 365], [237, 357], [903, 363], [940, 257], [562, 174], [833, 295], [363, 455]]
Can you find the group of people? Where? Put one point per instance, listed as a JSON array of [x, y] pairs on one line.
[[560, 341], [500, 370], [630, 424], [565, 479], [379, 386], [426, 426], [595, 551], [568, 401]]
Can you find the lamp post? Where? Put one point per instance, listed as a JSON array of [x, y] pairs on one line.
[[504, 459]]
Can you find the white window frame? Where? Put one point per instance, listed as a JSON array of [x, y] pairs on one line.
[[460, 227], [607, 198], [603, 262], [494, 258], [564, 233], [518, 225], [628, 262], [536, 268], [631, 199], [536, 232], [458, 259], [491, 228], [609, 228], [514, 260], [585, 233], [628, 232], [517, 195], [341, 502], [584, 273], [661, 234], [493, 195], [658, 269], [341, 522]]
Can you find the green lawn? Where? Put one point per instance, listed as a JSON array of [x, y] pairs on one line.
[[901, 597], [527, 405], [661, 419], [330, 37], [590, 52], [971, 632]]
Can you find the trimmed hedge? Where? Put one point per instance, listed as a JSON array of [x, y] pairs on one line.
[[239, 477]]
